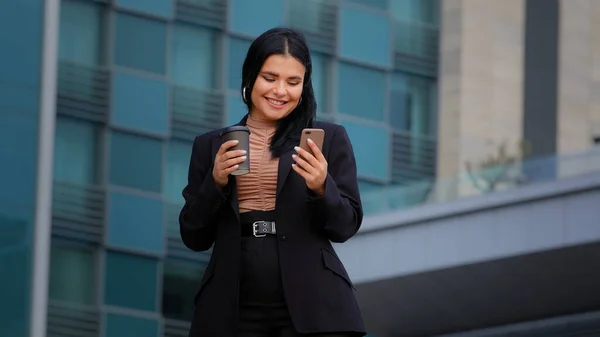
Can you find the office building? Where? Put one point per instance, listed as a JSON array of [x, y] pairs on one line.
[[110, 94]]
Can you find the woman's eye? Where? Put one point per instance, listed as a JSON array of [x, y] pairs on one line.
[[293, 83], [269, 79]]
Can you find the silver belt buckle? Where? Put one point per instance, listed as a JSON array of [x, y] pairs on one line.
[[255, 228]]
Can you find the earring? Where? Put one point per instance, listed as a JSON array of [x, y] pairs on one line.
[[299, 102], [244, 95]]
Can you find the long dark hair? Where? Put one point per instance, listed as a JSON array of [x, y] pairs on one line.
[[282, 41]]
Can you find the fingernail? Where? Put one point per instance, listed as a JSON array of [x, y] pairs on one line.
[[310, 140], [294, 156], [244, 157], [243, 151], [296, 148], [236, 141]]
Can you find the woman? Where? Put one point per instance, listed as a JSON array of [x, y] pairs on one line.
[[289, 281]]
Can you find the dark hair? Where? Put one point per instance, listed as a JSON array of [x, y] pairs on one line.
[[282, 41]]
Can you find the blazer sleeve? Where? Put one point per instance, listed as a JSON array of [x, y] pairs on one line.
[[197, 219], [340, 203]]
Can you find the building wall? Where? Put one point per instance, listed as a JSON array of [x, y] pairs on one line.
[[137, 80], [481, 81], [21, 37], [579, 72]]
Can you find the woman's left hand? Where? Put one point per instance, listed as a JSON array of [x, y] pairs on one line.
[[312, 167]]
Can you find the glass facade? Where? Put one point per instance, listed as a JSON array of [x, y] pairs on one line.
[[137, 80], [21, 27]]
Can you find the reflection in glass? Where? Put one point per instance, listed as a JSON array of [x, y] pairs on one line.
[[181, 282], [193, 57], [72, 274]]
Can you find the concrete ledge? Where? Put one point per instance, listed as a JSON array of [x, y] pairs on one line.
[[428, 212]]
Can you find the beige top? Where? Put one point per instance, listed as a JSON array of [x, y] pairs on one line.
[[257, 189]]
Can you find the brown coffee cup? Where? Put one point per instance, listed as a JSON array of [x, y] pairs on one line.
[[242, 135]]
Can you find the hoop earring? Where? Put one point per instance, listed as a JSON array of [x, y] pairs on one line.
[[244, 95], [299, 102]]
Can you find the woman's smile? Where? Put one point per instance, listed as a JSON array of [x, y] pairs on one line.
[[277, 104]]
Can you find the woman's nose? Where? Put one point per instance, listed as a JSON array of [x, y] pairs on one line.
[[279, 90]]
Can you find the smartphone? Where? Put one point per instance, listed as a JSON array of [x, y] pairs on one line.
[[316, 135]]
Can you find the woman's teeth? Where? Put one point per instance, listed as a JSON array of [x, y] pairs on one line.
[[276, 102]]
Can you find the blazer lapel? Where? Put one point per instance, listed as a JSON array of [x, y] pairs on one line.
[[285, 165]]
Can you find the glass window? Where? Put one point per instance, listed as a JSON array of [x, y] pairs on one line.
[[21, 41], [412, 104], [176, 173], [77, 151], [15, 259], [237, 109], [140, 103], [361, 92], [381, 4], [81, 32], [365, 36], [180, 284], [162, 8], [368, 186], [18, 169], [415, 10], [320, 81], [371, 164], [130, 281], [254, 17], [140, 43], [135, 161], [72, 274], [194, 57], [135, 222], [118, 325], [237, 53]]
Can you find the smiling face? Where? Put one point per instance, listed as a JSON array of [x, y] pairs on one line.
[[278, 87]]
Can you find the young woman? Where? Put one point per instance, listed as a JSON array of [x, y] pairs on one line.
[[287, 281]]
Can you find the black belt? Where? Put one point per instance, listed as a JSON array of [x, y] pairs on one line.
[[259, 229]]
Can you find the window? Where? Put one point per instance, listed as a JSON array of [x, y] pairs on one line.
[[412, 104], [18, 177], [77, 151], [140, 103], [237, 109], [118, 325], [176, 173], [310, 15], [72, 274], [140, 43], [81, 33], [135, 222], [135, 161], [381, 4], [371, 164], [254, 17], [367, 186], [180, 284], [130, 281], [361, 92], [365, 36], [320, 77], [416, 30], [415, 10], [237, 53], [194, 60], [162, 8]]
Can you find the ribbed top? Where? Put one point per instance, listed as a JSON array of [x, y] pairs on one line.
[[257, 189]]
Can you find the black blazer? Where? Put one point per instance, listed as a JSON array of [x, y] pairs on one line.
[[318, 291]]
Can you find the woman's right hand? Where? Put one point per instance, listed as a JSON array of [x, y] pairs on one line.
[[227, 162]]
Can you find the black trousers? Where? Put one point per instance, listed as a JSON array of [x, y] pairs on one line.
[[263, 311]]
